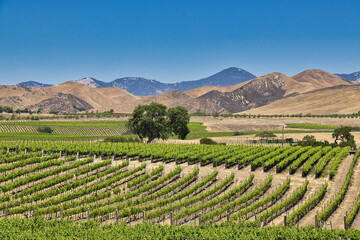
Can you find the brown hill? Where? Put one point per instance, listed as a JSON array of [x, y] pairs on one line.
[[314, 79], [197, 92], [255, 93], [338, 99], [209, 99], [62, 103], [20, 96], [102, 99], [177, 98], [98, 98], [271, 87]]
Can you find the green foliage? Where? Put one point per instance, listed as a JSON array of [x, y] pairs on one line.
[[337, 160], [290, 201], [178, 120], [266, 135], [325, 160], [313, 160], [121, 139], [44, 130], [275, 195], [188, 211], [334, 204], [294, 156], [306, 207], [192, 200], [355, 209], [343, 134], [299, 161], [6, 109], [19, 228], [207, 141], [155, 121], [276, 159], [241, 200], [309, 140]]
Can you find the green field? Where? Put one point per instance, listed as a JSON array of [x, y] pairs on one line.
[[40, 229], [92, 190], [92, 130]]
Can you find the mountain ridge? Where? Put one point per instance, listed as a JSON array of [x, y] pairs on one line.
[[252, 94], [147, 87], [354, 77]]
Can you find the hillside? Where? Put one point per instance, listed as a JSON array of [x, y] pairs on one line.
[[271, 87], [338, 99], [197, 92], [314, 79], [147, 87], [62, 103], [178, 98], [227, 77], [255, 93], [102, 99], [240, 97]]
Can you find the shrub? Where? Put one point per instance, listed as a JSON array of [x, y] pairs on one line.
[[44, 130], [121, 139], [207, 141]]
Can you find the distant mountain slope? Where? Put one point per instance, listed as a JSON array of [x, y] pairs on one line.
[[338, 99], [95, 95], [62, 103], [226, 77], [354, 77], [197, 92], [146, 87], [102, 99], [177, 98], [34, 84], [92, 82], [141, 86], [271, 87], [255, 93]]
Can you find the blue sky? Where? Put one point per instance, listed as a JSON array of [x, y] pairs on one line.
[[52, 41]]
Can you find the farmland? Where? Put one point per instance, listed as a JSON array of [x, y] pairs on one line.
[[93, 130], [171, 184]]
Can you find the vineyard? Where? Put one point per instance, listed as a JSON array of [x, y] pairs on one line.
[[93, 128], [174, 184]]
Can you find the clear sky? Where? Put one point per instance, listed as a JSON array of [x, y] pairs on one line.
[[53, 41]]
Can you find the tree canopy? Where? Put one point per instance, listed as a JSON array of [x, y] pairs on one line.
[[266, 135], [156, 121], [343, 134]]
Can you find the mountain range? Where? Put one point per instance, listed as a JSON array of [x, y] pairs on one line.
[[34, 84], [243, 96], [146, 87], [355, 77]]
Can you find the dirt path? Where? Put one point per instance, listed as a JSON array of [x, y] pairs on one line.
[[337, 218], [333, 189]]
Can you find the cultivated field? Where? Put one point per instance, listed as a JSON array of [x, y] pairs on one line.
[[180, 184]]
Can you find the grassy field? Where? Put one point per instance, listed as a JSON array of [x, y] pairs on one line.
[[92, 130]]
